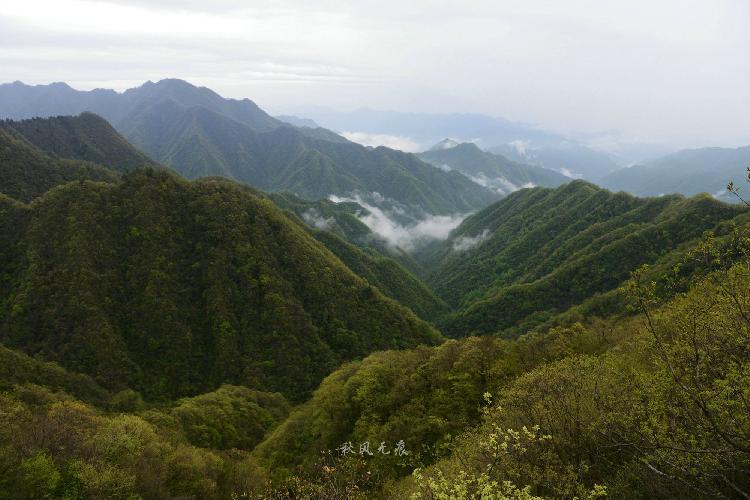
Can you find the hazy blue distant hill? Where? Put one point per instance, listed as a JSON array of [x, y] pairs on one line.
[[428, 128], [199, 142], [18, 101], [688, 172], [490, 170], [573, 160], [297, 121], [517, 141]]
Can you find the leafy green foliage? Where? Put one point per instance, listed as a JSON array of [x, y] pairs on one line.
[[229, 417], [386, 275], [426, 396], [663, 415], [17, 368], [52, 446]]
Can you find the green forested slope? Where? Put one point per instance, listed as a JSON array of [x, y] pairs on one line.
[[85, 137], [172, 288], [390, 277], [26, 172], [393, 271], [541, 251]]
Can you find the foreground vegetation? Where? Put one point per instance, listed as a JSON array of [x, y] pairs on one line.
[[655, 405]]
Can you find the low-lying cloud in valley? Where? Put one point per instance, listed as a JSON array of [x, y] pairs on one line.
[[314, 218], [569, 173], [407, 236], [390, 141], [464, 243], [500, 185]]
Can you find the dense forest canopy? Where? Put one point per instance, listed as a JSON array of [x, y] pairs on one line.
[[172, 288]]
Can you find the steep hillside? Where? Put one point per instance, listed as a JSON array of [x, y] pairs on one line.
[[385, 273], [491, 170], [689, 172], [173, 288], [86, 137], [26, 172], [541, 251]]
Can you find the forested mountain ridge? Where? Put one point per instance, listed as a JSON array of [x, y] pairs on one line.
[[173, 288], [199, 133], [86, 137], [492, 170], [541, 251]]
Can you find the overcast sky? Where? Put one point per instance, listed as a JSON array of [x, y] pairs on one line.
[[656, 70]]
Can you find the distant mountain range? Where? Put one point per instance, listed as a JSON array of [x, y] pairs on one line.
[[689, 172], [518, 141], [198, 133], [490, 170], [570, 159], [428, 128]]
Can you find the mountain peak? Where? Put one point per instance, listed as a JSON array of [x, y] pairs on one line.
[[446, 143]]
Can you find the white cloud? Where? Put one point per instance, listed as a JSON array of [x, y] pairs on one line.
[[500, 185], [520, 146], [568, 173], [316, 220], [464, 243], [404, 236], [658, 71], [389, 141]]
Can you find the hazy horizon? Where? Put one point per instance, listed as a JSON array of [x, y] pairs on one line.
[[670, 73]]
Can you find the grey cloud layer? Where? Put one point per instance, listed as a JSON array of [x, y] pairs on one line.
[[663, 71]]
